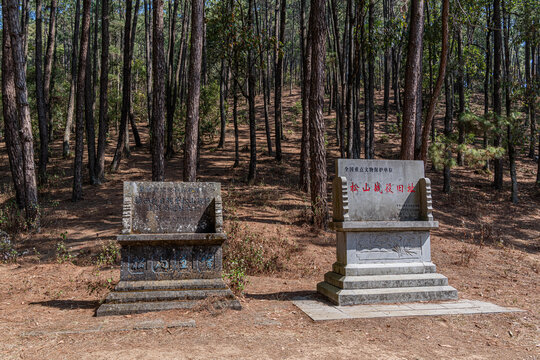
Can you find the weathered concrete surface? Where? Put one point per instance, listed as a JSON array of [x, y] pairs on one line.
[[319, 310]]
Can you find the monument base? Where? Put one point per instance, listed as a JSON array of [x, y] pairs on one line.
[[133, 297], [169, 271], [357, 284]]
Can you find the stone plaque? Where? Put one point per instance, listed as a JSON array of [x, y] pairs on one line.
[[170, 207], [153, 262], [380, 190]]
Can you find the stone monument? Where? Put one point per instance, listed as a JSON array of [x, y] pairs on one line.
[[382, 214], [170, 248]]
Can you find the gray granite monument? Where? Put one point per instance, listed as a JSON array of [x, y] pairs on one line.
[[382, 214], [170, 248]]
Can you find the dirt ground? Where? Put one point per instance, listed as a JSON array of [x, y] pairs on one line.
[[487, 247]]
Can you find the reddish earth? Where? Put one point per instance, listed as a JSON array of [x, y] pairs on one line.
[[488, 248]]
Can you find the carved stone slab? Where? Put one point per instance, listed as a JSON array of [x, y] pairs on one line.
[[378, 190], [172, 207]]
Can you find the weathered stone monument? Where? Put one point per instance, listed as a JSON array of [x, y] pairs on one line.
[[382, 213], [170, 247]]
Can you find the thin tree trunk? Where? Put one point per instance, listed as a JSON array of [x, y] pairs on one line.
[[235, 113], [194, 79], [132, 122], [317, 29], [449, 92], [266, 93], [305, 43], [412, 77], [103, 100], [279, 80], [89, 118], [510, 127], [497, 103], [148, 58], [461, 94], [126, 91], [9, 108], [49, 58], [73, 85], [79, 119], [42, 117], [158, 93], [169, 151], [252, 174]]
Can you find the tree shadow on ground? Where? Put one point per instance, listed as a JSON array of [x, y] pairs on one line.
[[68, 304], [282, 295]]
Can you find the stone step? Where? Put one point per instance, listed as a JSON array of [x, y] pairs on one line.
[[385, 281], [165, 295], [386, 295], [384, 269], [189, 284], [142, 307]]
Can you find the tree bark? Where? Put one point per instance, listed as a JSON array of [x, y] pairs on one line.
[[194, 90], [317, 29], [305, 43], [148, 58], [449, 93], [169, 89], [9, 110], [80, 103], [73, 85], [42, 118], [158, 93], [497, 103], [126, 90], [252, 174], [508, 103], [103, 99], [23, 110], [412, 77], [279, 80], [49, 58]]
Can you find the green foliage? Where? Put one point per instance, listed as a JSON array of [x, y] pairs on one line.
[[236, 277], [109, 254], [62, 252], [209, 110], [8, 254]]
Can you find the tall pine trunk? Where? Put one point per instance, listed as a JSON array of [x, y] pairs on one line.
[[279, 80], [317, 29], [49, 58], [158, 93], [412, 77], [9, 110], [42, 118], [103, 99], [194, 90], [23, 111], [80, 104], [73, 85], [497, 101], [305, 53]]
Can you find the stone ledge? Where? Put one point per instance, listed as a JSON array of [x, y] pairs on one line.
[[179, 238], [388, 226]]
